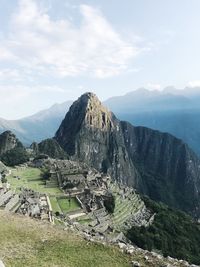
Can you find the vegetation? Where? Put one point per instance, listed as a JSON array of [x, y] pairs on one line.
[[54, 204], [4, 179], [26, 242], [109, 203], [63, 205], [51, 148], [68, 204], [173, 232], [15, 156], [31, 178], [45, 173]]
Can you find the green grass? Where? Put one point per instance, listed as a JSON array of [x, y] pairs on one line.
[[31, 178], [84, 220], [54, 204], [29, 243], [63, 205], [66, 205]]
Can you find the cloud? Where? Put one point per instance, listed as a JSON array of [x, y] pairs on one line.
[[61, 48], [7, 74], [194, 83], [154, 86], [21, 98]]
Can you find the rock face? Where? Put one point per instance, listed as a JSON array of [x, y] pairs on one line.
[[12, 151], [8, 141], [92, 134], [155, 163], [51, 148], [170, 170]]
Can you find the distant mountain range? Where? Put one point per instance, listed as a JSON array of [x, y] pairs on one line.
[[171, 110], [39, 126]]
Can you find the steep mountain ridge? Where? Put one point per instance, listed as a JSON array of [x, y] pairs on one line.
[[171, 110], [156, 164]]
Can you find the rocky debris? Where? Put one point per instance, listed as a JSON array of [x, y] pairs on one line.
[[155, 163]]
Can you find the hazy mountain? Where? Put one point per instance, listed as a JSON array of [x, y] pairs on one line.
[[174, 111], [155, 163], [38, 127]]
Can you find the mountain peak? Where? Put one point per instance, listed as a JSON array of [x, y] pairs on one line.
[[87, 99], [86, 113]]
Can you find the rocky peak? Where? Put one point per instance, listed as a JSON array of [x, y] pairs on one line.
[[85, 113], [97, 115], [8, 141], [92, 134], [89, 110]]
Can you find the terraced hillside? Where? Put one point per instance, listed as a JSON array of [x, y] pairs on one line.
[[129, 208]]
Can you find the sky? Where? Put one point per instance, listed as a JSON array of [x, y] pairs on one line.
[[52, 51]]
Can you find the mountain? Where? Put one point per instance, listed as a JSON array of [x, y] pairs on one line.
[[12, 151], [49, 147], [155, 163], [39, 126], [173, 111]]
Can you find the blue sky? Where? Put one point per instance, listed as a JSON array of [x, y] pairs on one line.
[[54, 50]]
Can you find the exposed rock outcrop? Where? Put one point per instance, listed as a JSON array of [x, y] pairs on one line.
[[49, 147], [92, 134], [8, 141], [155, 163], [12, 151]]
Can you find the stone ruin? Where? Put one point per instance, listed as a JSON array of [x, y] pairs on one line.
[[26, 202], [91, 188]]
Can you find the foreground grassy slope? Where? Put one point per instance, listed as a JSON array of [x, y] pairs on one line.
[[26, 242]]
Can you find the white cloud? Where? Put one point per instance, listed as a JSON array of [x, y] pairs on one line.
[[7, 74], [58, 47], [154, 86], [194, 83]]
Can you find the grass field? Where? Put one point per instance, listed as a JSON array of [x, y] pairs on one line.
[[67, 205], [31, 178], [29, 243], [63, 205], [54, 204]]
